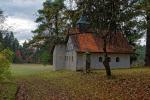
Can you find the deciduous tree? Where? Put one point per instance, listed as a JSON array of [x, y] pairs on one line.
[[111, 16]]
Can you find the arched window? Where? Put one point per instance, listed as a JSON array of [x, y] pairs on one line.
[[100, 59], [117, 59]]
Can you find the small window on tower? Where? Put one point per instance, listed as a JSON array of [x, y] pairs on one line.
[[100, 59]]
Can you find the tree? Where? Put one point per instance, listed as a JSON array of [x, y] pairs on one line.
[[45, 57], [1, 33], [7, 40], [51, 26], [140, 52], [144, 7], [50, 18], [111, 16], [147, 11]]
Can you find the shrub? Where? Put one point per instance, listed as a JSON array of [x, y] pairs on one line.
[[4, 67], [8, 54], [6, 57]]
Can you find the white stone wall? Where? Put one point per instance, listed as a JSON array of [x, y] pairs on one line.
[[95, 64], [81, 61], [59, 57], [71, 60], [123, 63]]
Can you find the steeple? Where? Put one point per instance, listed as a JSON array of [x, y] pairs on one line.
[[83, 24]]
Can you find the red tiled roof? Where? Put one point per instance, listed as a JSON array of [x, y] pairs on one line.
[[88, 42]]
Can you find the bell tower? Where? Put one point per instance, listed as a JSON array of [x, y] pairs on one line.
[[82, 24]]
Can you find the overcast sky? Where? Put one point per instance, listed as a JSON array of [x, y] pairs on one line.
[[21, 15]]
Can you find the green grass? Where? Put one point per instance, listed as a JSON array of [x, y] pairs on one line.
[[41, 83], [28, 69]]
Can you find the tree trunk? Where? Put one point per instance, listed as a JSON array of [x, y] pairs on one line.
[[106, 61], [107, 66], [88, 63], [147, 56]]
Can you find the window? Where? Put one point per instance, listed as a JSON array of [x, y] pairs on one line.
[[117, 59], [100, 59]]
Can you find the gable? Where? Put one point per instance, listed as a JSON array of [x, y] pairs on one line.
[[70, 45]]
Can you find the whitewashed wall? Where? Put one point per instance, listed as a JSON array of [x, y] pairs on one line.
[[95, 64], [123, 63], [71, 60], [81, 61], [59, 57], [71, 56]]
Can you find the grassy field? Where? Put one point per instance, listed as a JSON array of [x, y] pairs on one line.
[[28, 69], [37, 82]]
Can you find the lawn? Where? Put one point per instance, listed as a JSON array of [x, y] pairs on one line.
[[37, 82]]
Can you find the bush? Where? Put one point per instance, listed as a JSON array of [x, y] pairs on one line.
[[8, 54], [4, 67], [5, 61]]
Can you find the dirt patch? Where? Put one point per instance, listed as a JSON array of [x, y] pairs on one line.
[[21, 93], [40, 90]]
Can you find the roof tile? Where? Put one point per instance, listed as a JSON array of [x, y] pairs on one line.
[[89, 42]]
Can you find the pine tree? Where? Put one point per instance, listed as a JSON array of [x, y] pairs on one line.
[[50, 18], [52, 24]]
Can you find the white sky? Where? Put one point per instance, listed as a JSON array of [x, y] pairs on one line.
[[21, 15]]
